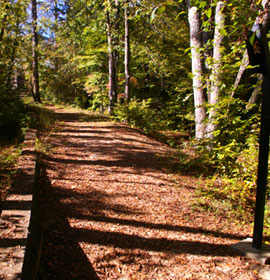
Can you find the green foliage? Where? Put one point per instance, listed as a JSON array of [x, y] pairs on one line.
[[9, 156], [136, 113], [240, 185], [12, 114], [99, 102], [175, 114], [40, 118], [267, 218], [233, 153], [235, 121], [95, 86]]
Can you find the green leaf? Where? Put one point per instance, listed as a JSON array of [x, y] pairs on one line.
[[202, 4], [209, 12], [153, 14], [181, 13], [162, 9], [252, 38], [223, 32]]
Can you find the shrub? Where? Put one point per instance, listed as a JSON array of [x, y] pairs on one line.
[[136, 113], [240, 185], [12, 114], [235, 125], [233, 152]]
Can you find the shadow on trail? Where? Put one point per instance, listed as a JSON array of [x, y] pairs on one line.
[[62, 256], [62, 207], [75, 117], [125, 241], [160, 226]]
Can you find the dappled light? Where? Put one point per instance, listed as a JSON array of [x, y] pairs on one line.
[[109, 209], [140, 126]]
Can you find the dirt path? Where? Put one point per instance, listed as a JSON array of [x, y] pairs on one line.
[[111, 210]]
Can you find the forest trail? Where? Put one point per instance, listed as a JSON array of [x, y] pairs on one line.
[[111, 208]]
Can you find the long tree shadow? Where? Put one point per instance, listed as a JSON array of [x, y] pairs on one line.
[[62, 256], [126, 241], [80, 116], [159, 226]]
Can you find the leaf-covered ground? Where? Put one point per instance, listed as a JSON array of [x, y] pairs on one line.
[[111, 208]]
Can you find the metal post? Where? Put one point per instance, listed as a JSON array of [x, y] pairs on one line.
[[264, 141], [262, 166]]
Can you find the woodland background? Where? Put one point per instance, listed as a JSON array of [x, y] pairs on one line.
[[161, 66]]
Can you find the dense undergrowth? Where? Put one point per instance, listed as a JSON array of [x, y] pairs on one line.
[[16, 117], [13, 119]]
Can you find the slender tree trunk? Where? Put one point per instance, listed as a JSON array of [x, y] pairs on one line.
[[116, 44], [197, 71], [112, 72], [55, 28], [127, 53], [255, 93], [112, 27], [215, 77], [240, 73], [36, 94]]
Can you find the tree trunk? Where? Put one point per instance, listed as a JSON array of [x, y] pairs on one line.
[[112, 53], [55, 46], [127, 53], [255, 93], [36, 94], [215, 77], [197, 71]]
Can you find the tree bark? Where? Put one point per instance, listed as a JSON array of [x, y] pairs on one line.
[[36, 94], [255, 93], [215, 77], [112, 27], [55, 46], [197, 71], [127, 53]]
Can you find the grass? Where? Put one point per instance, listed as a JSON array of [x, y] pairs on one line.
[[38, 118], [9, 155]]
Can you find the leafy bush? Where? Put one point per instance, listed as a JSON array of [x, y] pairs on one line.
[[136, 113], [233, 152], [99, 102], [12, 114], [235, 124], [239, 187]]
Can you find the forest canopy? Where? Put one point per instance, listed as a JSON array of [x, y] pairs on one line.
[[158, 65]]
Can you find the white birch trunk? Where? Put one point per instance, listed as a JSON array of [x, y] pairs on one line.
[[197, 71], [215, 77]]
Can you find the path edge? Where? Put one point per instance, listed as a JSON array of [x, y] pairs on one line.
[[33, 251], [20, 257]]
